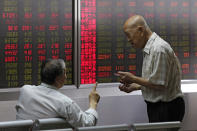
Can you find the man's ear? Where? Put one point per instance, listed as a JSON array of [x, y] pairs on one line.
[[58, 81], [140, 28]]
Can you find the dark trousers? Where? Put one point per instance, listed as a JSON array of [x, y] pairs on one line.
[[166, 111]]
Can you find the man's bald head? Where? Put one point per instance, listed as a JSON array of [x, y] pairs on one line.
[[134, 22], [137, 31]]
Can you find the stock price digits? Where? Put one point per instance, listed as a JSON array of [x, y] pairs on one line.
[[173, 20], [31, 32]]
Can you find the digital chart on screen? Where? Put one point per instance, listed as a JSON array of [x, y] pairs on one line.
[[104, 47], [32, 31]]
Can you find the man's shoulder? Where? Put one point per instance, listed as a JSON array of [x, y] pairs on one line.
[[26, 87], [64, 98], [162, 46], [58, 96]]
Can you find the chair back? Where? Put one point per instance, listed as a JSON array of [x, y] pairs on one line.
[[121, 127], [157, 126], [50, 123], [18, 125]]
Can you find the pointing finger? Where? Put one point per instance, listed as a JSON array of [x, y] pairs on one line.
[[120, 73], [94, 88]]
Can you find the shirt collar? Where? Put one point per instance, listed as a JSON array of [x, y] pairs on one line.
[[149, 43], [49, 86]]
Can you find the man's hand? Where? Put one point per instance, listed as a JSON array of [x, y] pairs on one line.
[[124, 88], [94, 98], [129, 88], [125, 77]]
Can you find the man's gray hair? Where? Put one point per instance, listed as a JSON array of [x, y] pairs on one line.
[[52, 68]]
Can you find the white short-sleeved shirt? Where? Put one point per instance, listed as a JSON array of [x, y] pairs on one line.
[[44, 101], [161, 67]]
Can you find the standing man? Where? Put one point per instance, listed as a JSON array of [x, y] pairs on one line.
[[45, 101], [161, 73]]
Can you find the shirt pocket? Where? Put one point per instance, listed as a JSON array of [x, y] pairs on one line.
[[146, 69]]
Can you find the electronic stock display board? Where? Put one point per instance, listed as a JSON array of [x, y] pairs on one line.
[[105, 50], [32, 31]]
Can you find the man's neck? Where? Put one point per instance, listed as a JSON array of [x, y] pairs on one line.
[[57, 85]]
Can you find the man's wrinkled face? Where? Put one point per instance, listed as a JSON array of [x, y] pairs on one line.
[[134, 37]]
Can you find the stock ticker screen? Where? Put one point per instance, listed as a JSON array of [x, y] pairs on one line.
[[32, 31], [105, 50]]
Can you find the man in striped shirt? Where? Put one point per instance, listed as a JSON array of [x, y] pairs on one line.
[[161, 73]]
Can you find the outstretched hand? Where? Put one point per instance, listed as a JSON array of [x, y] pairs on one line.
[[129, 88], [125, 77]]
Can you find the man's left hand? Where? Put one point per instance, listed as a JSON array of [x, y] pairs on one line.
[[126, 77]]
